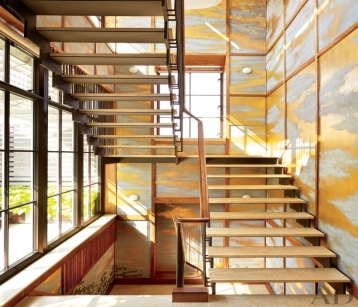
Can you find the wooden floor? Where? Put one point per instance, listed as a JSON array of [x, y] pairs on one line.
[[214, 301]]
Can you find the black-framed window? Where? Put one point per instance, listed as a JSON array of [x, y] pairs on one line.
[[61, 204], [18, 152], [204, 99]]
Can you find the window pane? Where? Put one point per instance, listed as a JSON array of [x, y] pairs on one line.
[[67, 211], [94, 168], [94, 199], [67, 132], [67, 171], [1, 119], [86, 164], [21, 123], [53, 129], [53, 173], [205, 106], [20, 178], [85, 205], [53, 93], [1, 186], [21, 233], [2, 247], [2, 45], [211, 127], [205, 83], [53, 229], [21, 69]]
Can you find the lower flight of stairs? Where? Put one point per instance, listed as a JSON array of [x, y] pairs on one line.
[[244, 191]]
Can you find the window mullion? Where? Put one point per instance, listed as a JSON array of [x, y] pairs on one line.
[[6, 185]]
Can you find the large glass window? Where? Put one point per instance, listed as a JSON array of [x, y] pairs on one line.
[[203, 98], [61, 174], [17, 183]]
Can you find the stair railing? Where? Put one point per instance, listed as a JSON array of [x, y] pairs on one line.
[[182, 225]]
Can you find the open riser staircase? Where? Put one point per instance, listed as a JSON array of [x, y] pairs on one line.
[[121, 122], [251, 199]]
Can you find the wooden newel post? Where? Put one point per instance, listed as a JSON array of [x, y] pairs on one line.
[[180, 258]]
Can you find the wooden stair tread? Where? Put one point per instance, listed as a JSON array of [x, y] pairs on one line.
[[259, 215], [140, 156], [277, 275], [131, 125], [104, 35], [138, 146], [112, 58], [122, 97], [252, 187], [138, 136], [96, 8], [126, 112], [256, 200], [263, 232], [245, 165], [269, 251], [249, 176], [115, 79]]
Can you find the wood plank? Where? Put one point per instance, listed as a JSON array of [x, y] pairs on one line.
[[263, 232], [98, 8], [277, 275], [115, 79], [256, 201], [249, 176], [137, 146], [269, 251], [107, 136], [252, 187], [111, 58], [104, 35], [246, 165], [130, 125], [122, 97], [259, 215], [149, 112]]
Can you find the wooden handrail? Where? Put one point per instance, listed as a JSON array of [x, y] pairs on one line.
[[191, 220], [203, 182]]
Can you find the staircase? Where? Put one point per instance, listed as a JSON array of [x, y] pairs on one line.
[[122, 124], [258, 193]]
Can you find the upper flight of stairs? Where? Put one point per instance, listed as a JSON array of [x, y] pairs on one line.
[[121, 125], [231, 218]]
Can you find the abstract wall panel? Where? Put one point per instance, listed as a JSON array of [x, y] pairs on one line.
[[274, 65], [274, 21], [133, 179], [334, 18], [276, 123], [253, 83], [300, 40], [205, 30], [247, 26], [186, 183], [291, 8], [133, 249], [301, 133], [338, 167]]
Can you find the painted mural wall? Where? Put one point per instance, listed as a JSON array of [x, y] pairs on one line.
[[318, 129]]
